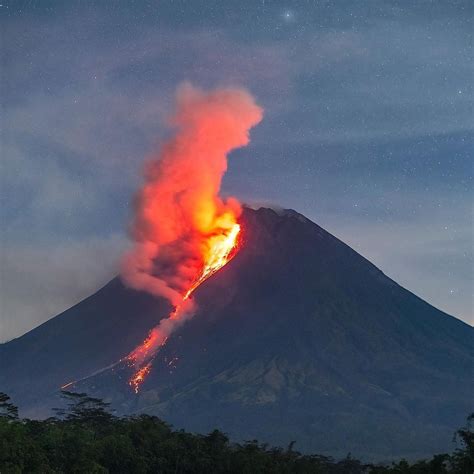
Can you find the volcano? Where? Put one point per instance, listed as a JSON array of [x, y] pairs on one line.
[[297, 338]]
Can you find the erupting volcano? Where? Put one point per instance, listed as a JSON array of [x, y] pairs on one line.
[[183, 230], [297, 336]]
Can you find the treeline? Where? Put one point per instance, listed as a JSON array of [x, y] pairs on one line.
[[86, 438]]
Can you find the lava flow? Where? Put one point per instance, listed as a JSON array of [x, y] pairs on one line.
[[222, 248], [139, 376], [183, 230]]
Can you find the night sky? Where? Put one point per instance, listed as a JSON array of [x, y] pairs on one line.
[[368, 131]]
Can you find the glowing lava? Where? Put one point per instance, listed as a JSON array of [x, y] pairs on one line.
[[221, 249], [220, 252], [139, 377]]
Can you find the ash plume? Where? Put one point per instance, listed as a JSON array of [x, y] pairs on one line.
[[179, 214], [178, 207]]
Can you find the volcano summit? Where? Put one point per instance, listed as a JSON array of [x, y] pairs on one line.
[[297, 338]]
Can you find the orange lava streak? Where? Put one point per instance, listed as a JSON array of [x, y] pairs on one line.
[[139, 377], [221, 249], [220, 253]]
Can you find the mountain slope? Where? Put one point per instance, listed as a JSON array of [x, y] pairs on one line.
[[94, 333], [297, 338]]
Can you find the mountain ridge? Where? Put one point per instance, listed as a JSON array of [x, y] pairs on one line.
[[298, 337]]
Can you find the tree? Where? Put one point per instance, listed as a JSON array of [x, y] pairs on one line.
[[7, 409], [462, 460], [88, 438], [84, 409]]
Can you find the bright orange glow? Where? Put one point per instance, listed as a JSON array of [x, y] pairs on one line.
[[220, 252], [140, 353], [139, 377], [183, 230], [221, 249], [180, 219]]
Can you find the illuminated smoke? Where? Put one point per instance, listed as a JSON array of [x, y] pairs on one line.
[[183, 231]]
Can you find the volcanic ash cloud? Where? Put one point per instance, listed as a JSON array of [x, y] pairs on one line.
[[180, 219]]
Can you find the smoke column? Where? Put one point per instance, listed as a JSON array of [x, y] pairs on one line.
[[180, 219]]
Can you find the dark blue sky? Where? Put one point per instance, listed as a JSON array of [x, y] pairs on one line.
[[368, 131]]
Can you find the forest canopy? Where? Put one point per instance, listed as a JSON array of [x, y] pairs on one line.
[[86, 437]]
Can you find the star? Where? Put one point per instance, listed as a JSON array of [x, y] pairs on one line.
[[288, 16]]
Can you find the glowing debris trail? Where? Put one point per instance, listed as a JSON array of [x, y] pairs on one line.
[[222, 249], [96, 372], [139, 377]]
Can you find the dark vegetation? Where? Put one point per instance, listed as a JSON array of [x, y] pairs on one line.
[[85, 437]]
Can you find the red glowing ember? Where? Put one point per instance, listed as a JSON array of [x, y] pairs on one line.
[[139, 377]]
